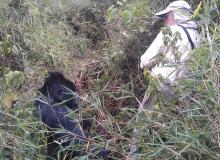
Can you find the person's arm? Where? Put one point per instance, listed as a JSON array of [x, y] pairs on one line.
[[185, 49], [150, 58]]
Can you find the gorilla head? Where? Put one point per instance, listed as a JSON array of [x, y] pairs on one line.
[[58, 89]]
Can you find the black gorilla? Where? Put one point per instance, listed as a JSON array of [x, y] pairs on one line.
[[64, 134]]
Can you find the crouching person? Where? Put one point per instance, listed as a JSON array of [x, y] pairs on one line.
[[166, 57]]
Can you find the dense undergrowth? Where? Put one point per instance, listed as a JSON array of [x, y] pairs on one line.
[[98, 45]]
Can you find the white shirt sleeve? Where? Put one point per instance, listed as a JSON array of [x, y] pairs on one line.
[[152, 51]]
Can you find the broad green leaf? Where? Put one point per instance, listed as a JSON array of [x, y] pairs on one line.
[[9, 99], [127, 16], [13, 79], [111, 13]]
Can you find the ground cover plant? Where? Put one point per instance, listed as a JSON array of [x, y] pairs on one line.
[[97, 44]]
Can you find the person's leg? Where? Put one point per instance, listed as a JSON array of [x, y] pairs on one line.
[[166, 93], [151, 99]]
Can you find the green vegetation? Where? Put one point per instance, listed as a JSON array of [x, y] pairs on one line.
[[98, 44]]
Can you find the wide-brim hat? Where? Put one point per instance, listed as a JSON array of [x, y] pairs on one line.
[[175, 6]]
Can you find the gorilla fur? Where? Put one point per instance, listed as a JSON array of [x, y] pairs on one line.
[[64, 134]]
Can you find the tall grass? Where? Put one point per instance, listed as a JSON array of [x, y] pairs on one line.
[[35, 37]]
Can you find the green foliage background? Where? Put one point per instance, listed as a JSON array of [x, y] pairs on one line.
[[36, 36]]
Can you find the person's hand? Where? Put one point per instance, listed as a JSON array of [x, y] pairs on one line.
[[146, 73], [148, 64]]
